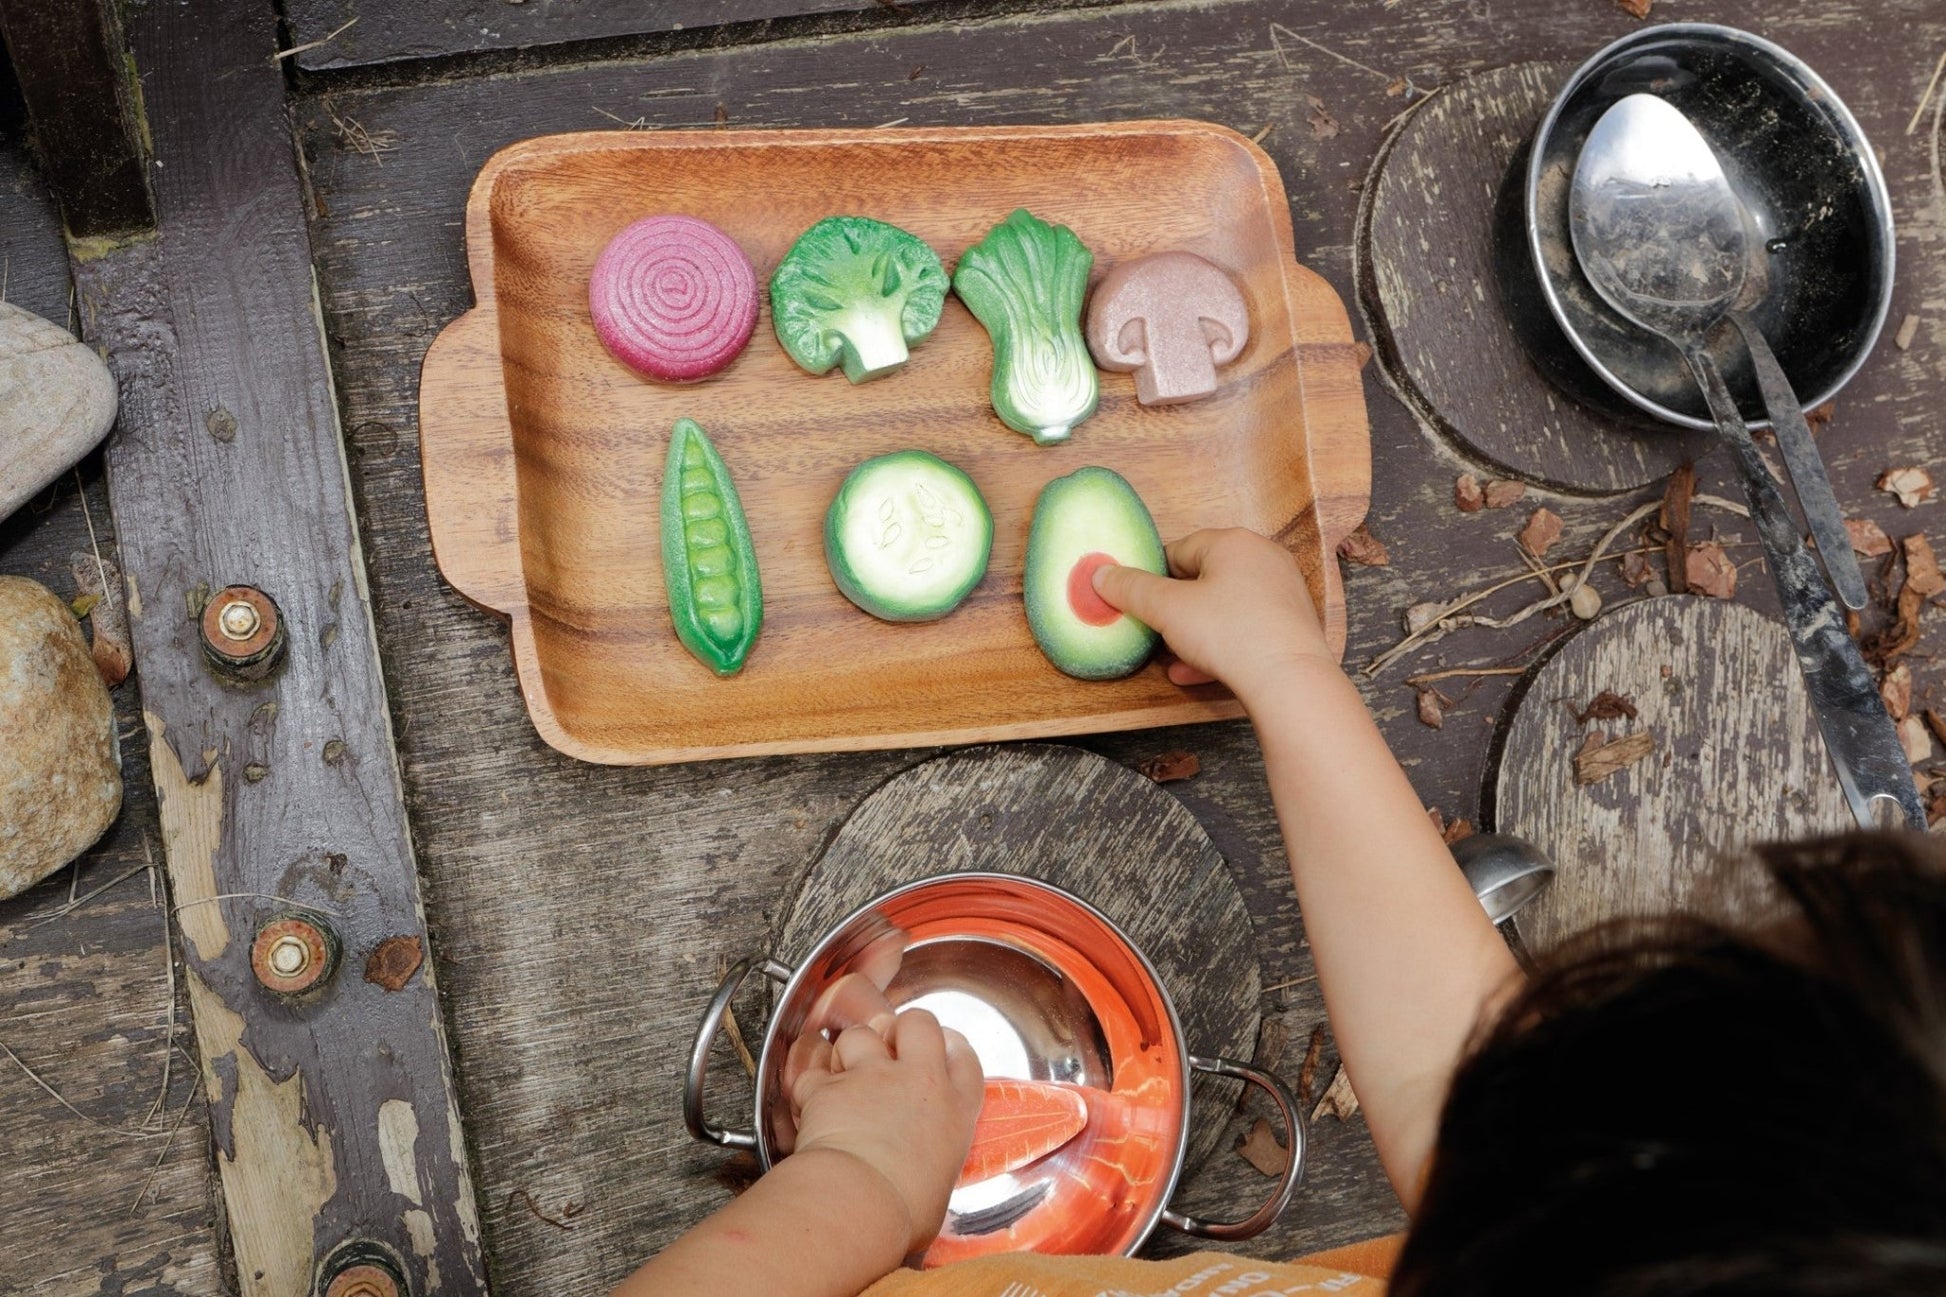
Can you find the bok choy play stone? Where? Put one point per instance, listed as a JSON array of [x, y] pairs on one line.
[[1025, 282]]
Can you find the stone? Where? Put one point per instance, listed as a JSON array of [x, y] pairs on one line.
[[60, 756], [1172, 318], [57, 401]]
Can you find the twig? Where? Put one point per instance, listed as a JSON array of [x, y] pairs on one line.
[[322, 40], [1931, 85], [896, 121], [169, 1025], [168, 1144], [1448, 674], [640, 123], [261, 896], [82, 900], [528, 1200], [59, 1098], [1346, 59], [736, 1039], [1296, 981]]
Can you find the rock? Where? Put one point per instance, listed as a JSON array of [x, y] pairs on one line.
[[57, 401], [60, 759]]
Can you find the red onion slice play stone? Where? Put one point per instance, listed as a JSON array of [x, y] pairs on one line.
[[673, 297]]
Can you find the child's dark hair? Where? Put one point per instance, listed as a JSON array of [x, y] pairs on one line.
[[1681, 1108]]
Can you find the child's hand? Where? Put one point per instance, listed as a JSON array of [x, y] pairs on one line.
[[903, 1104], [1238, 610]]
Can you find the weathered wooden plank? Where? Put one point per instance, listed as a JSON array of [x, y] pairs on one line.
[[580, 911], [332, 1117], [71, 61], [1727, 765]]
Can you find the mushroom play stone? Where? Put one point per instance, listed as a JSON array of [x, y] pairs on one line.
[[57, 401], [1172, 318], [60, 760]]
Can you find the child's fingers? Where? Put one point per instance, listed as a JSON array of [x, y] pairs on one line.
[[810, 1052], [1181, 673], [858, 1047], [1186, 556], [963, 1067], [1142, 595], [917, 1038]]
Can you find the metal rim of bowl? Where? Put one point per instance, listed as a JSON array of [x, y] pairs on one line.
[[1815, 87], [1165, 1190]]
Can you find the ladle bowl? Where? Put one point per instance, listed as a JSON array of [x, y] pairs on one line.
[[1800, 164]]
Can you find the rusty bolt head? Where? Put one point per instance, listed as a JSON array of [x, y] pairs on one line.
[[243, 632], [363, 1280], [290, 955]]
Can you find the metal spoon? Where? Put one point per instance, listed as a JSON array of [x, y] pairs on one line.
[[1660, 236]]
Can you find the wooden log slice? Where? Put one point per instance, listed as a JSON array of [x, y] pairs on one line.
[[1734, 758], [1082, 823], [1458, 322]]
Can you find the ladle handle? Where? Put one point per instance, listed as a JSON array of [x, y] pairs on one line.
[[1858, 732], [1807, 470], [692, 1084], [1266, 1215]]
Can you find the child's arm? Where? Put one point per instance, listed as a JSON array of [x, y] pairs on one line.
[[1406, 957], [883, 1125]]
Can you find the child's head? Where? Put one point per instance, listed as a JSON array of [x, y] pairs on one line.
[[1682, 1108]]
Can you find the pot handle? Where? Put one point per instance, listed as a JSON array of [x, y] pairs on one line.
[[1266, 1215], [692, 1085]]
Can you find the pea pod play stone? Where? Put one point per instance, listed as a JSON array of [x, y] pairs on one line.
[[709, 565]]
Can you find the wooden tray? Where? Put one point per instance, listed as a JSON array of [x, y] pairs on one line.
[[543, 455]]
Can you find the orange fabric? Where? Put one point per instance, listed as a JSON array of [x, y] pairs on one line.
[[1205, 1274], [1374, 1257]]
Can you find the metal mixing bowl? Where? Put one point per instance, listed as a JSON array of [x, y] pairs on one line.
[[1802, 167]]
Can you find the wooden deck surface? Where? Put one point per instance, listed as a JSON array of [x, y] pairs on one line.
[[580, 915]]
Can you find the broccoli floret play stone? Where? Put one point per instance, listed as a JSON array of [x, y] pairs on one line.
[[856, 291]]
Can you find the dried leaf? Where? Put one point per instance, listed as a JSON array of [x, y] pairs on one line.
[[1421, 615], [1867, 537], [1902, 635], [1169, 767], [1674, 520], [1308, 1073], [1634, 8], [1913, 485], [1260, 1149], [1323, 125], [1501, 492], [1922, 567], [1432, 708], [1339, 1099], [1364, 549], [1708, 570], [1458, 830], [1896, 691], [1607, 706], [1542, 530], [1599, 756], [1636, 570], [1914, 739], [1467, 495]]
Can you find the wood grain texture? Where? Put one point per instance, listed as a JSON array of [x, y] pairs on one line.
[[1280, 448], [1086, 825], [1435, 296], [285, 794], [1736, 759], [576, 908]]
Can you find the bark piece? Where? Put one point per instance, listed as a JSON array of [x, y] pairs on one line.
[[1708, 570], [1922, 567], [1915, 740], [1432, 708], [1896, 691], [1364, 549], [1169, 767], [1674, 520], [1340, 1100], [1542, 530], [1260, 1149], [1607, 706], [1867, 537], [1501, 492], [1599, 756]]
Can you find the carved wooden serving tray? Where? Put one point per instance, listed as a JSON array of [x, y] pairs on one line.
[[543, 455]]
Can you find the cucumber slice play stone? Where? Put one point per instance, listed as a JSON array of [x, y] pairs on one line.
[[1087, 520], [907, 537]]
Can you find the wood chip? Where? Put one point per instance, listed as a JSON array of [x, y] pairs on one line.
[[1307, 1075], [1542, 530], [1432, 708], [1708, 570], [1260, 1149], [1867, 537], [1914, 739], [1636, 571], [1364, 549], [1339, 1100], [1912, 485], [1896, 691], [1673, 518], [1908, 330], [1600, 756], [1468, 497], [1922, 567], [1457, 831], [1501, 492], [1607, 706], [1634, 8], [1170, 767], [100, 583]]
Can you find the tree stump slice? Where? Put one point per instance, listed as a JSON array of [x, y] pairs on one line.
[[1444, 330], [1084, 824], [1737, 759]]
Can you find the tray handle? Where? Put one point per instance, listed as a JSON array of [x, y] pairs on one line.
[[466, 455]]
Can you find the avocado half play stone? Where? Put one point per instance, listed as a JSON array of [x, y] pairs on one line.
[[1088, 520], [908, 536]]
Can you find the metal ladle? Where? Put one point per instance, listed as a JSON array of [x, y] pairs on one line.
[[1660, 235]]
